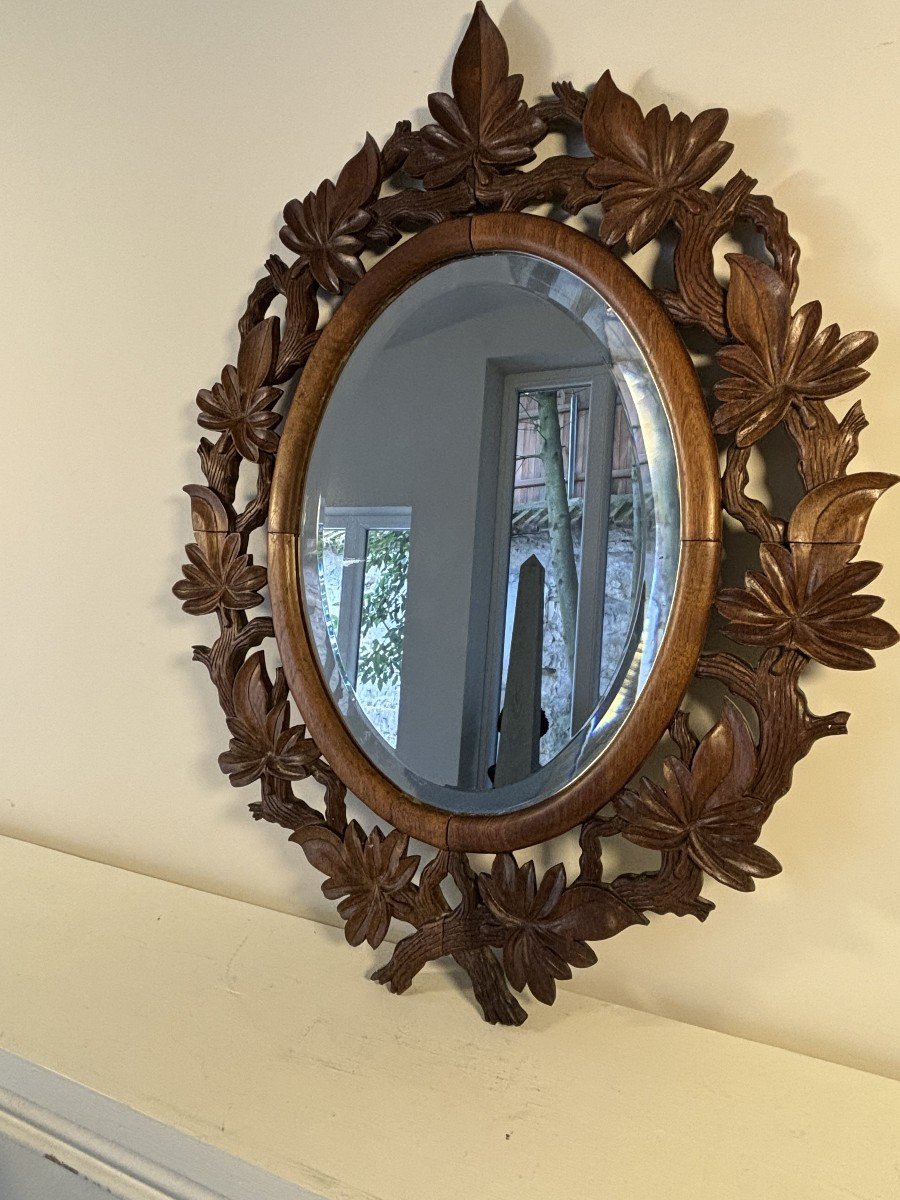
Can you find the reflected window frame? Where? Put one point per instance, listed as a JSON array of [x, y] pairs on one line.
[[356, 523]]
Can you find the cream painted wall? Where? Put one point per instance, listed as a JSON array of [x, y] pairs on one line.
[[147, 150]]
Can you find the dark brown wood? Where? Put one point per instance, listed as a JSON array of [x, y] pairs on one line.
[[704, 812]]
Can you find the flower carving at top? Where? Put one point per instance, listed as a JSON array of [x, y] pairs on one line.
[[705, 810], [781, 359], [323, 229], [371, 874], [484, 127], [546, 929], [647, 165]]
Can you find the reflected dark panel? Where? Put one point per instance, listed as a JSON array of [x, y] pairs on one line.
[[490, 533]]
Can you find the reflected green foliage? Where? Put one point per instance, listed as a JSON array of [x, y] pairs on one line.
[[383, 608]]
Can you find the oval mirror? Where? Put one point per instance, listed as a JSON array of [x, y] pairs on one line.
[[500, 494]]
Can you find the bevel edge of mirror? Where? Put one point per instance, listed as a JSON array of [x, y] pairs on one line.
[[653, 332]]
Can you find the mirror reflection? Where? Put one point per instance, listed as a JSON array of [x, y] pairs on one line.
[[490, 533]]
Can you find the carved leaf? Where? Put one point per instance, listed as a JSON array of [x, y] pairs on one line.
[[370, 873], [705, 810], [802, 600], [838, 511], [208, 513], [263, 742], [484, 127], [780, 358], [240, 405], [546, 929], [323, 229], [256, 356], [219, 576], [649, 165]]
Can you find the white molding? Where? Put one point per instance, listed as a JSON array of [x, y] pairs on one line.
[[129, 1155]]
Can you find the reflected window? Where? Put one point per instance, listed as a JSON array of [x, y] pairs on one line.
[[586, 629], [363, 568]]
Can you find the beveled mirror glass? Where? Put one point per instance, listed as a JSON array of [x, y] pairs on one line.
[[490, 533]]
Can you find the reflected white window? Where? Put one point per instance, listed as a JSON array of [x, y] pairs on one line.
[[363, 569]]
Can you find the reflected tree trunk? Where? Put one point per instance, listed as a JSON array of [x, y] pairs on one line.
[[562, 549]]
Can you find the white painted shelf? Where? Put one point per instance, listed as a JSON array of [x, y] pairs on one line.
[[259, 1034]]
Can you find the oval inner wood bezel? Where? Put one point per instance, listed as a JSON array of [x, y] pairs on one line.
[[700, 499]]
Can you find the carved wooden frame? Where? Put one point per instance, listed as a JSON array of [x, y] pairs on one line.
[[705, 810]]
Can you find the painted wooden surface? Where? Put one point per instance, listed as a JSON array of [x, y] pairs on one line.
[[254, 1031], [62, 1141]]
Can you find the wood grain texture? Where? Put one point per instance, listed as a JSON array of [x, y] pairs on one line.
[[458, 185]]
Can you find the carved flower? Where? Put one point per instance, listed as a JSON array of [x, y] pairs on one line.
[[323, 228], [547, 928], [484, 125], [370, 873], [263, 743], [801, 601], [221, 577], [783, 359], [241, 405], [649, 165], [704, 809]]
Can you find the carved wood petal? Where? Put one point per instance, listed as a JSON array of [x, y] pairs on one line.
[[368, 875], [240, 405], [804, 600], [779, 359], [219, 576], [544, 930], [263, 743], [323, 229], [706, 809], [484, 127], [648, 166]]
